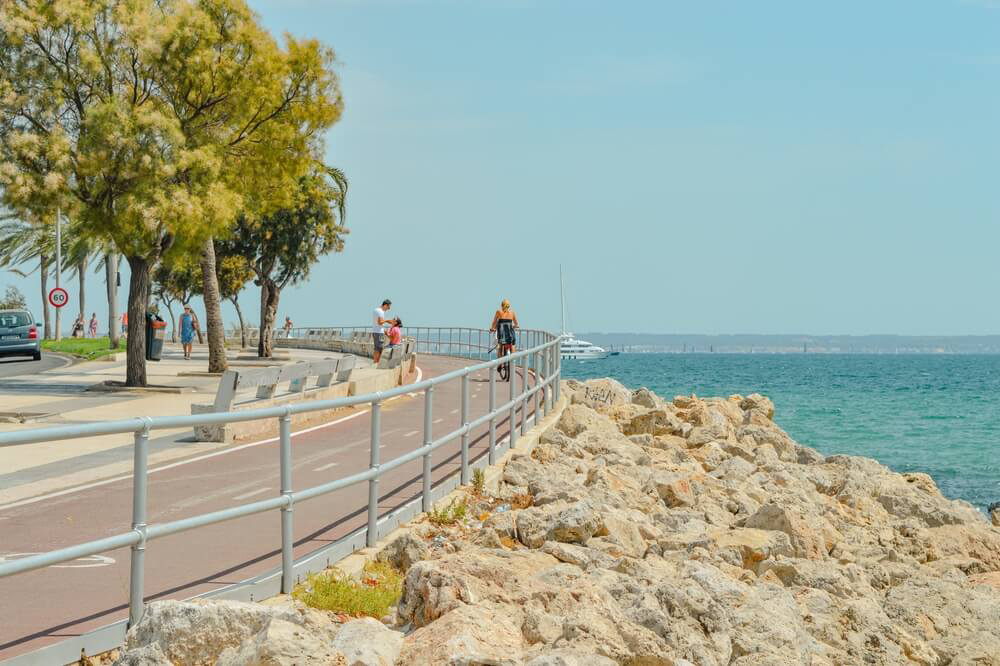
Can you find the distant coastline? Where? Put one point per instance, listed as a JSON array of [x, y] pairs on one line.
[[795, 344]]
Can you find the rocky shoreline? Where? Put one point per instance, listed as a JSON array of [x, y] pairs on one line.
[[645, 532]]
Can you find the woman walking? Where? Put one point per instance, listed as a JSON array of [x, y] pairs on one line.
[[93, 325], [187, 331]]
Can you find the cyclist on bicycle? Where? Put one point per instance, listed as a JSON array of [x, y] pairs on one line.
[[504, 323]]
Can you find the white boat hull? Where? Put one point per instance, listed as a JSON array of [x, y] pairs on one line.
[[585, 355]]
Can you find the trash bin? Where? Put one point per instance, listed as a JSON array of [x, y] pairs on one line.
[[156, 330]]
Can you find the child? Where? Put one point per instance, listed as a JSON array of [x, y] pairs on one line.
[[395, 333]]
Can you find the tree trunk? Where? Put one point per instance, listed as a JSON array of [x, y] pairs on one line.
[[173, 320], [81, 269], [46, 314], [269, 295], [111, 281], [138, 301], [213, 309], [243, 326]]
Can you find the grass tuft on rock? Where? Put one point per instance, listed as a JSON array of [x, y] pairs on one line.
[[449, 515], [380, 587]]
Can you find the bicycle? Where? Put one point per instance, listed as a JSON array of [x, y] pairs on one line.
[[504, 346]]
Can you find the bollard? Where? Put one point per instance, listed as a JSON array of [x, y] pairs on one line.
[[372, 536], [287, 535], [140, 460]]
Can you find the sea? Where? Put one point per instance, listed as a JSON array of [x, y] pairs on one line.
[[938, 414]]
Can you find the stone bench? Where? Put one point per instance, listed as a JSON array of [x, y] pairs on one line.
[[332, 380]]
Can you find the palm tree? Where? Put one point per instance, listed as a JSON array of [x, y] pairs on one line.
[[23, 241]]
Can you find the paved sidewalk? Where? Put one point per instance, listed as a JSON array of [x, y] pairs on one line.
[[61, 394]]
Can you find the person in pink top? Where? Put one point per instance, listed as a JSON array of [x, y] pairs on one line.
[[396, 333]]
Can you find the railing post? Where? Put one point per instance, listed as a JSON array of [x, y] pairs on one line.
[[465, 424], [371, 538], [493, 420], [557, 359], [287, 534], [512, 379], [137, 570], [545, 377], [524, 394], [536, 365], [425, 498]]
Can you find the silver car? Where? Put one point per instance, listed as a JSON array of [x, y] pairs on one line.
[[19, 334]]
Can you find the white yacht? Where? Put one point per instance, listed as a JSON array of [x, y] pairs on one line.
[[581, 349], [572, 348]]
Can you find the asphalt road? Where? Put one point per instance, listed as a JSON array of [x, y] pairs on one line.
[[20, 366], [44, 606]]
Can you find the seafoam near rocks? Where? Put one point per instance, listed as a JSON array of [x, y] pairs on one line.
[[650, 532]]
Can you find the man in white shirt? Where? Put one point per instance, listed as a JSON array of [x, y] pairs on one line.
[[380, 322]]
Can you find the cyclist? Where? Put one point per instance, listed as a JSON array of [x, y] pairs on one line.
[[504, 323]]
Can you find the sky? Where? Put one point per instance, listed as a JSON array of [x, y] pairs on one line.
[[695, 167]]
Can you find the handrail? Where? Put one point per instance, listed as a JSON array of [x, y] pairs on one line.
[[540, 362]]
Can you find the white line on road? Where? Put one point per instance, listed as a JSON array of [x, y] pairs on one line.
[[438, 420], [454, 411], [325, 467], [251, 493], [410, 434], [123, 477]]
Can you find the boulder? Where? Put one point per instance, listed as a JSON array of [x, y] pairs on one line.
[[283, 643], [597, 393], [368, 642], [673, 489], [646, 398], [807, 541], [572, 523], [653, 422], [404, 551], [994, 511], [467, 636], [758, 409], [197, 632], [148, 655]]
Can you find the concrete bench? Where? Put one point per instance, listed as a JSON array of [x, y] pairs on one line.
[[332, 380]]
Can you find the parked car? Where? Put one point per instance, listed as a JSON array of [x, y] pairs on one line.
[[19, 334]]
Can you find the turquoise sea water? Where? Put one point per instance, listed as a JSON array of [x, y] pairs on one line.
[[933, 414]]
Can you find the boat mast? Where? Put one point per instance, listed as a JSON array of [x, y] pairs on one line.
[[562, 303]]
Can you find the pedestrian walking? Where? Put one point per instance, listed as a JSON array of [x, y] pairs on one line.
[[93, 325], [187, 331], [287, 328], [78, 327], [378, 328], [124, 322]]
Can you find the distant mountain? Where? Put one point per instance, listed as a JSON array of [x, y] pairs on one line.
[[791, 344]]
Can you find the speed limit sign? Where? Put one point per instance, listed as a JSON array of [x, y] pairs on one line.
[[58, 297]]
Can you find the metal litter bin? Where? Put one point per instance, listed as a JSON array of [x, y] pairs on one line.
[[156, 331]]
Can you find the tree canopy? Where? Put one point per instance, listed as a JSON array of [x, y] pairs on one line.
[[156, 121]]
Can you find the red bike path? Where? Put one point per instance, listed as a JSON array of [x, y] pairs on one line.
[[48, 605]]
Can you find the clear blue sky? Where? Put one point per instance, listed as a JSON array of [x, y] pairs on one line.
[[703, 167]]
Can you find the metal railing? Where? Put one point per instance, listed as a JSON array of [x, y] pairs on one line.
[[539, 362]]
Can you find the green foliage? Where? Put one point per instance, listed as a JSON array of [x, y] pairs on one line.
[[13, 299], [178, 279], [449, 515], [87, 348], [378, 590], [478, 481], [233, 272], [281, 247]]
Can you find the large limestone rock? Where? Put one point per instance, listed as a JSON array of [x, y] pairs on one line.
[[807, 540], [368, 642], [597, 393], [283, 643]]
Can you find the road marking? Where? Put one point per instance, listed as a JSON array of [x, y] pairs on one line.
[[325, 467], [411, 433], [87, 562], [454, 411], [438, 420], [124, 477], [251, 493]]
